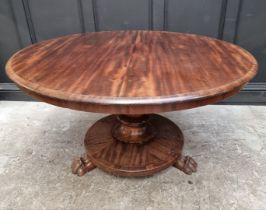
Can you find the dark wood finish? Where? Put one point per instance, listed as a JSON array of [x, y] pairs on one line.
[[129, 159], [132, 72], [81, 166], [25, 21], [186, 164], [133, 129]]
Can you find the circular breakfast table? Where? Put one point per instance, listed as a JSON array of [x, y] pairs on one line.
[[132, 75]]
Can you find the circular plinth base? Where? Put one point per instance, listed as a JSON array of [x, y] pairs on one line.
[[129, 159]]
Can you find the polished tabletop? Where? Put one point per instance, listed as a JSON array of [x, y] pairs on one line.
[[122, 70]]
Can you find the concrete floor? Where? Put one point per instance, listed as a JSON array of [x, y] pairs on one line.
[[38, 142]]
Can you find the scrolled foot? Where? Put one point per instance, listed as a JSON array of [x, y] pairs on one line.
[[186, 164], [81, 166]]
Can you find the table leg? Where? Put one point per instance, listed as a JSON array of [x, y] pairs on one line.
[[82, 165], [133, 145], [186, 164]]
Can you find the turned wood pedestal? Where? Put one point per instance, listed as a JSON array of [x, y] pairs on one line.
[[132, 75], [133, 145]]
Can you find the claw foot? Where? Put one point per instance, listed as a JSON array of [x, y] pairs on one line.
[[186, 164], [81, 166]]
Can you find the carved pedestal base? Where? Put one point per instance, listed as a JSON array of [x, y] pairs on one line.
[[133, 146]]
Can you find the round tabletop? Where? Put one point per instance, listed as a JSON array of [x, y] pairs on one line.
[[131, 72]]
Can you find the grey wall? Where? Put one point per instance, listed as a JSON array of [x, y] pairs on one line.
[[23, 22]]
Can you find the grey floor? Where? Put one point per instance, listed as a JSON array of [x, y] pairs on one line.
[[38, 142]]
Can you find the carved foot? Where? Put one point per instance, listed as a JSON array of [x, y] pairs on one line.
[[81, 166], [186, 164]]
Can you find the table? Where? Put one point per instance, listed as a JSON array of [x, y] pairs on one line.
[[132, 75]]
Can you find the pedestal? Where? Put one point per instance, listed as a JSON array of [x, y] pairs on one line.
[[133, 145]]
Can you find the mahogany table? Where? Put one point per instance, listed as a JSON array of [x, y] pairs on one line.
[[132, 75]]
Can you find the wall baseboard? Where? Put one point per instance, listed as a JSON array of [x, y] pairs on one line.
[[252, 94]]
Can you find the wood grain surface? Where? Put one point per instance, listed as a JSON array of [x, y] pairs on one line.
[[125, 159], [131, 72]]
